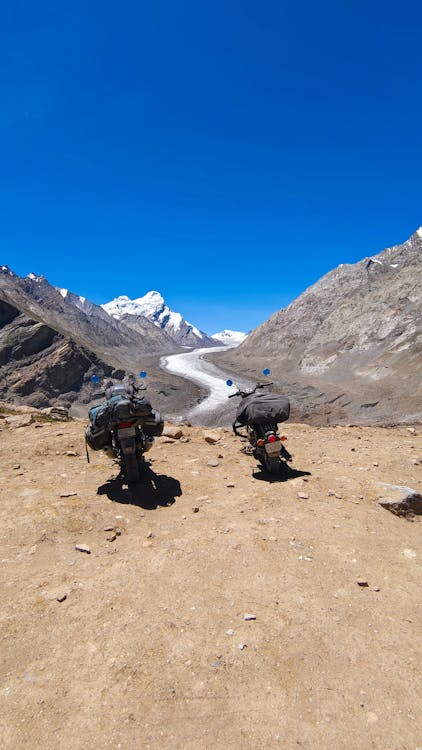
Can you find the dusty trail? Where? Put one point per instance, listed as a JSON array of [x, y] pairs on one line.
[[144, 650]]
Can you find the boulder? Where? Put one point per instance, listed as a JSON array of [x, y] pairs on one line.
[[211, 436], [402, 501], [173, 431]]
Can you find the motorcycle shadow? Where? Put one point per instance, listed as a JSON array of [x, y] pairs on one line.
[[151, 491], [285, 474]]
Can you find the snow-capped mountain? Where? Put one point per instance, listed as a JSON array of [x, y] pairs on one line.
[[229, 338], [153, 307]]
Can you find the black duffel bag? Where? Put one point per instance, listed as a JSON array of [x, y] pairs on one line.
[[259, 408]]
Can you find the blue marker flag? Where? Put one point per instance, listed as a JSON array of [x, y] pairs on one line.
[[229, 382], [95, 379], [142, 374], [267, 371]]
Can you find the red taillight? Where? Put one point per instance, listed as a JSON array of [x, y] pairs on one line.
[[272, 439], [121, 425]]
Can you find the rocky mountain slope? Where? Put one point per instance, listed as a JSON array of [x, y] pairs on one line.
[[350, 345], [51, 341], [147, 641], [153, 308]]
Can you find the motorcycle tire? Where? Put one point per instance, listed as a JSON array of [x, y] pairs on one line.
[[131, 467], [271, 464]]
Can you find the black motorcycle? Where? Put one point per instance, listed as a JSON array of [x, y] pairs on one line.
[[124, 426], [258, 415]]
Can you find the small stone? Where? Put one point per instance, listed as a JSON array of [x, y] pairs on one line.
[[303, 496], [68, 494], [202, 498], [83, 548], [17, 466], [249, 617], [108, 528], [173, 431], [242, 646], [195, 509], [409, 553], [362, 582], [112, 538], [411, 430], [58, 596], [231, 484], [185, 440], [375, 463], [230, 631], [211, 437], [213, 462], [38, 426], [331, 493], [61, 596], [376, 588], [71, 453], [149, 535], [19, 421]]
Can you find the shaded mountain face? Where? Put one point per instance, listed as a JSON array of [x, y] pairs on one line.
[[153, 308], [39, 366], [350, 345]]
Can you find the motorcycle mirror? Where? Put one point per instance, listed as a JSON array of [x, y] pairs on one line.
[[95, 379], [267, 371], [229, 382], [142, 374]]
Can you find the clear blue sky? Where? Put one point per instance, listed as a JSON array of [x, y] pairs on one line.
[[227, 153]]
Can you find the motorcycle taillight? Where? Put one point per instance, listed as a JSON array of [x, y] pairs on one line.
[[121, 425], [272, 439]]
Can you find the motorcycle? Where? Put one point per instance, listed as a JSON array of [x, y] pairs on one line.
[[259, 414], [124, 426]]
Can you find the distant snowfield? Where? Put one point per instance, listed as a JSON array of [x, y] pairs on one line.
[[192, 366]]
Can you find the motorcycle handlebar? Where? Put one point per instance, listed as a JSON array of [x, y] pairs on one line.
[[249, 393]]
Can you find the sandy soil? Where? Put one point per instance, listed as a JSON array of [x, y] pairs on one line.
[[151, 649]]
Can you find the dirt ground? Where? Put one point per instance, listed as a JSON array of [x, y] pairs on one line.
[[150, 648]]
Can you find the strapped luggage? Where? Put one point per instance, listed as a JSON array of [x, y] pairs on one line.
[[153, 424], [259, 408]]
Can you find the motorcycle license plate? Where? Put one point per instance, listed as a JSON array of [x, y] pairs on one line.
[[273, 449], [126, 432]]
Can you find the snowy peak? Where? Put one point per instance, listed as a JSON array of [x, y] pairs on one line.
[[153, 307], [229, 338]]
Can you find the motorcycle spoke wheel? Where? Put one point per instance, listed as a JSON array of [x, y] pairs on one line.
[[272, 465], [131, 467]]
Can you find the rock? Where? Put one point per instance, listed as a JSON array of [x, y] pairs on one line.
[[249, 617], [231, 484], [230, 631], [19, 421], [411, 430], [83, 548], [402, 501], [173, 431], [16, 466], [149, 535], [168, 440], [68, 494], [195, 509], [58, 596], [211, 437], [112, 538], [242, 646], [108, 528], [72, 453], [185, 440], [409, 553], [303, 496], [202, 498], [361, 582], [213, 462], [58, 413]]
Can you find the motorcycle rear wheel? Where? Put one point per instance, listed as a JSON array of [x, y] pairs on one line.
[[131, 467], [271, 464]]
